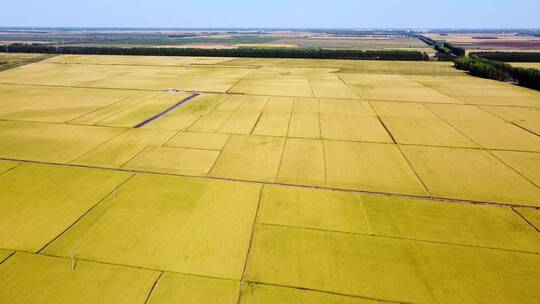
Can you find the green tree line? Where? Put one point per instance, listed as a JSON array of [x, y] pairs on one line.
[[239, 52], [508, 56], [426, 40], [491, 69], [445, 50]]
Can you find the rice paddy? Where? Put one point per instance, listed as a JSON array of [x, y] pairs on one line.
[[266, 181]]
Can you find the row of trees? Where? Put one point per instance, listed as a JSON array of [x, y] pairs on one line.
[[456, 50], [449, 49], [240, 52], [426, 40], [508, 56], [491, 69], [445, 50]]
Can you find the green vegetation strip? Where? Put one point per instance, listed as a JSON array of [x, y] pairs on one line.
[[445, 50], [314, 53], [491, 69], [9, 61], [508, 56]]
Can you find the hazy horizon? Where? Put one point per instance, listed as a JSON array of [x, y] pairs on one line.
[[217, 28], [278, 14]]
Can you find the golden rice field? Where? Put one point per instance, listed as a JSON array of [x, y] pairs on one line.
[[11, 60], [529, 65], [276, 181]]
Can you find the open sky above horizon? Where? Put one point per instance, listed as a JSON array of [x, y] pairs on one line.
[[273, 13]]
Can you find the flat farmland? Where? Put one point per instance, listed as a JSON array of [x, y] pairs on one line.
[[491, 41], [239, 180], [529, 65], [11, 60]]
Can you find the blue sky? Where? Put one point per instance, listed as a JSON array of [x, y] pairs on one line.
[[273, 13]]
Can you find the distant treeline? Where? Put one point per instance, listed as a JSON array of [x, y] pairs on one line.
[[352, 33], [508, 56], [445, 49], [426, 40], [491, 69], [485, 37], [456, 50], [239, 52]]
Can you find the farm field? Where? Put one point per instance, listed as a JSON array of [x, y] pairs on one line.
[[11, 60], [366, 40], [530, 65], [491, 41], [237, 180]]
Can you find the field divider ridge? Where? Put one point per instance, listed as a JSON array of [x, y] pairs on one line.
[[525, 219], [490, 151], [154, 285], [344, 190], [376, 235], [86, 212], [250, 245]]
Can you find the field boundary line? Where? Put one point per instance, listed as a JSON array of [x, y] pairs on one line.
[[328, 292], [156, 282], [98, 109], [524, 129], [86, 212], [234, 85], [276, 178], [98, 146], [183, 65], [141, 101], [322, 140], [374, 193], [311, 87], [63, 124], [387, 130], [525, 219], [10, 169], [174, 134], [348, 86], [250, 245], [375, 235], [134, 156], [399, 149], [325, 161], [220, 153], [513, 169], [121, 265], [9, 255], [504, 119], [78, 87], [255, 124], [414, 171], [186, 274], [248, 94], [489, 151], [285, 140]]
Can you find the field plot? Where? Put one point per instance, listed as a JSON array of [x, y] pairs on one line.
[[238, 180], [91, 283], [184, 212], [529, 65], [11, 60], [352, 264], [40, 201], [491, 41]]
